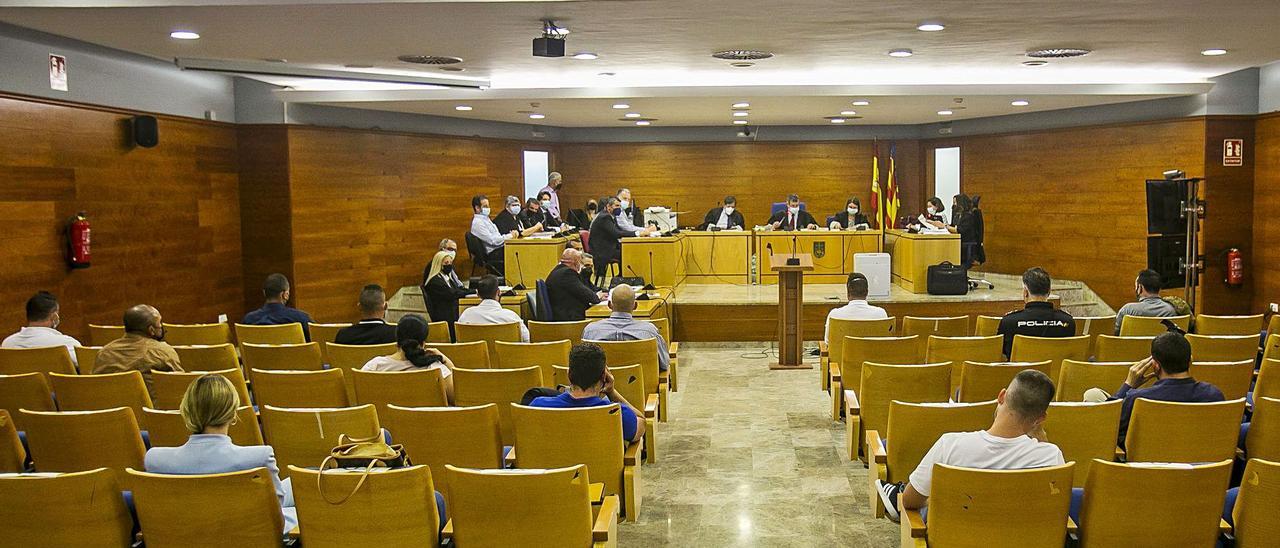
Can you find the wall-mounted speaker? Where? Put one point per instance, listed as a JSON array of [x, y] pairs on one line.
[[146, 131]]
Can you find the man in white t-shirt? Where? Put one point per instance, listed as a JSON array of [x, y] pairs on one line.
[[1015, 441], [42, 327], [857, 288]]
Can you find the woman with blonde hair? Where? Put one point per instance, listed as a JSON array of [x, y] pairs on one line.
[[209, 410], [442, 290]]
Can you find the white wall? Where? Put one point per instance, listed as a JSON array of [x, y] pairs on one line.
[[1269, 88], [946, 176]]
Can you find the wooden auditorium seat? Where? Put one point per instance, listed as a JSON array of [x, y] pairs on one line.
[[396, 507], [1076, 377], [868, 408], [1229, 325], [962, 349], [12, 454], [645, 353], [1146, 326], [1084, 431], [1234, 379], [300, 389], [1223, 348], [673, 350], [247, 509], [1094, 326], [98, 392], [59, 510], [28, 391], [502, 387], [1254, 515], [555, 331], [197, 334], [925, 327], [545, 355], [48, 359], [1263, 441], [832, 349], [1161, 431], [420, 388], [485, 514], [973, 507], [1122, 349], [469, 355], [846, 370], [430, 436], [171, 386], [218, 357], [324, 334], [490, 334], [1113, 490], [304, 437], [984, 381], [281, 357], [1036, 349], [351, 357], [76, 441], [165, 428], [100, 335], [87, 355], [289, 333], [986, 326], [438, 332]]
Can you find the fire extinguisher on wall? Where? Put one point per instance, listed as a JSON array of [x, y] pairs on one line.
[[1235, 267], [78, 254]]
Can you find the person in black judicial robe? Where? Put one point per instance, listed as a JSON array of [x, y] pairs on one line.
[[442, 290], [786, 220], [847, 219], [582, 217], [570, 296], [732, 219]]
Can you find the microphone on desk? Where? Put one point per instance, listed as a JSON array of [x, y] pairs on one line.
[[519, 272], [635, 275], [793, 260], [649, 286]]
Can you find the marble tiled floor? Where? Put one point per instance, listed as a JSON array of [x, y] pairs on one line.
[[751, 457]]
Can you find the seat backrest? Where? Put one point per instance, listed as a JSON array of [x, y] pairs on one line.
[[485, 514], [219, 357], [628, 380], [170, 386], [554, 438], [1095, 325], [972, 507], [47, 359], [88, 355], [12, 454], [915, 427], [502, 387], [857, 350], [289, 333], [1254, 516], [1054, 349], [947, 326], [513, 355], [393, 508], [984, 381], [556, 331], [294, 389], [1122, 349], [841, 328], [165, 428], [643, 352], [1112, 492], [1229, 325], [1263, 441], [74, 509], [350, 357], [1150, 326], [197, 333], [986, 326], [1162, 431], [469, 355], [1084, 431], [28, 391], [489, 333], [304, 437], [438, 332], [1223, 348], [75, 441], [663, 325], [475, 248], [248, 511], [542, 299], [1268, 382], [420, 388], [1233, 378], [1076, 377], [281, 357], [430, 436], [100, 335], [324, 334], [883, 383], [96, 392]]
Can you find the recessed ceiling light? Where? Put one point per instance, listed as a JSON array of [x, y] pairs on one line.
[[741, 113], [1213, 52], [740, 122], [606, 74], [462, 107], [861, 103], [945, 113], [930, 27], [537, 116], [837, 120], [184, 35], [585, 56], [847, 113], [742, 64], [1036, 63], [642, 123], [741, 105], [448, 68], [632, 115], [621, 106], [900, 52], [1020, 103]]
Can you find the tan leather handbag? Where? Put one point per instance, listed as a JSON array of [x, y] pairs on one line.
[[367, 453]]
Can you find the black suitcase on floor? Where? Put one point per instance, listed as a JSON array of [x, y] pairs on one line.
[[947, 279]]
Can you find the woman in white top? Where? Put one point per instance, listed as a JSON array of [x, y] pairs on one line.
[[411, 337]]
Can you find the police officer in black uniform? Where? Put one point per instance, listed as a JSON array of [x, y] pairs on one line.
[[1039, 318]]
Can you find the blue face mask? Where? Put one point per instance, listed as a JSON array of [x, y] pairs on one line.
[[617, 211]]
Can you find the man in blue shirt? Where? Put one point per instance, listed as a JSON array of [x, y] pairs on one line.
[[622, 326], [274, 312], [591, 385]]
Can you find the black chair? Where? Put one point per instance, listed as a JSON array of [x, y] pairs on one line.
[[972, 251], [478, 259], [542, 309]]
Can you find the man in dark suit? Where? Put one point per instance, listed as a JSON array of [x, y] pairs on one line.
[[536, 212], [570, 297], [513, 219], [372, 327], [724, 217], [606, 235], [793, 218]]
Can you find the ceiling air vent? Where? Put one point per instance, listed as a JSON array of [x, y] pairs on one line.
[[742, 55], [1058, 53], [429, 59]]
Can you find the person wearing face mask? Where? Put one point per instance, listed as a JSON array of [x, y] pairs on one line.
[[42, 326], [442, 289], [727, 217], [569, 296], [1038, 318], [851, 217], [630, 217], [1146, 288], [493, 240], [549, 220], [141, 349], [552, 190], [513, 220], [582, 217], [793, 217], [932, 217], [605, 241]]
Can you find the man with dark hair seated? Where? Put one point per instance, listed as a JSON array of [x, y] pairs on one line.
[[1015, 441], [372, 327], [856, 288], [42, 327], [274, 311], [1169, 365], [1038, 318], [1149, 304], [490, 310], [591, 385]]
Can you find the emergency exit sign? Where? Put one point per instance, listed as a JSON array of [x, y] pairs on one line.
[[1232, 152]]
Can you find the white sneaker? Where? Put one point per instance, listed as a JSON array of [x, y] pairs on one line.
[[889, 496]]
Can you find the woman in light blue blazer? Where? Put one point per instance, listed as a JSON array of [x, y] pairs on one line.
[[209, 410]]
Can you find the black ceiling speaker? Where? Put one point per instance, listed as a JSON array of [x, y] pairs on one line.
[[146, 132]]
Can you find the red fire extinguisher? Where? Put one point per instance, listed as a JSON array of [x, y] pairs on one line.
[[78, 255], [1235, 267]]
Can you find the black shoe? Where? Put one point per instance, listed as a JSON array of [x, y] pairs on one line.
[[889, 496]]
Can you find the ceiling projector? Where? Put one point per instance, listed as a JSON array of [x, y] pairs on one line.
[[551, 43]]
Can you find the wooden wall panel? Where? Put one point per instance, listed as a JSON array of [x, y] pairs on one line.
[[1072, 201], [1228, 193], [266, 211], [1264, 261], [698, 175], [166, 220]]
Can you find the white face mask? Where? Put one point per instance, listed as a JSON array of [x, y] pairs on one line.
[[514, 209], [452, 254], [625, 204], [932, 210], [546, 203], [484, 211], [794, 210], [728, 210], [853, 211]]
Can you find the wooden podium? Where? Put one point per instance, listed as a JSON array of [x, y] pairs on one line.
[[790, 304]]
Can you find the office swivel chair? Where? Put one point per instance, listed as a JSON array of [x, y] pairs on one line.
[[972, 252], [782, 206], [478, 259]]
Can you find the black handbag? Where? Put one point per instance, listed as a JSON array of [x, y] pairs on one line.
[[947, 279]]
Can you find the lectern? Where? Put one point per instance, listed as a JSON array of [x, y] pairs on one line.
[[790, 303]]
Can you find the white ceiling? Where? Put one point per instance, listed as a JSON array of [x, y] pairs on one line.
[[828, 52]]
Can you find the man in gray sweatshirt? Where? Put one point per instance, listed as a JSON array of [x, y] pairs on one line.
[[1149, 304]]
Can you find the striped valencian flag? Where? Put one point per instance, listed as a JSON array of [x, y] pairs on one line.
[[875, 186], [891, 200]]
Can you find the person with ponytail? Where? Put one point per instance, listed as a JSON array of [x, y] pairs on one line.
[[413, 354]]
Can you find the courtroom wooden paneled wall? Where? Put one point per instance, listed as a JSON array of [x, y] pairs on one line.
[[1228, 193], [1264, 263], [697, 175], [166, 220]]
